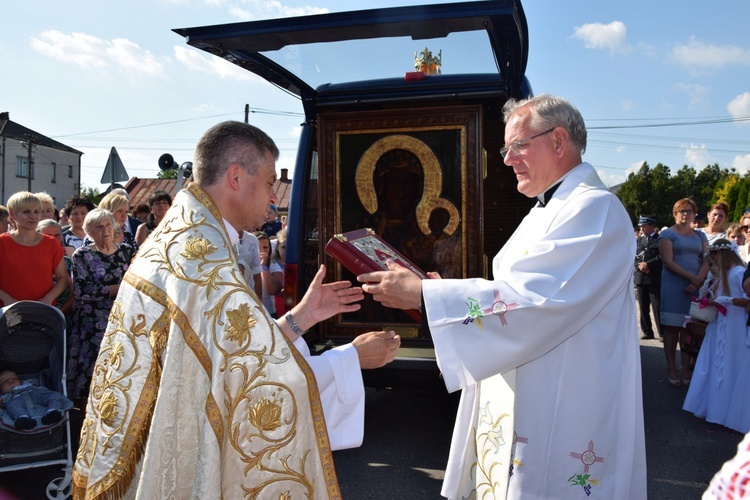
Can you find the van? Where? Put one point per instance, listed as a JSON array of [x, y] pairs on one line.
[[402, 134]]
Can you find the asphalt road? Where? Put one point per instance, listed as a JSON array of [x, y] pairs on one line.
[[408, 434]]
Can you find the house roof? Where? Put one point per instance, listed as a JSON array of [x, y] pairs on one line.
[[13, 130], [140, 189]]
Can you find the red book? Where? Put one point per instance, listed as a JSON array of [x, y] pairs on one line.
[[363, 251]]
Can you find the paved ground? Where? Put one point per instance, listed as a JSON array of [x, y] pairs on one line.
[[407, 438]]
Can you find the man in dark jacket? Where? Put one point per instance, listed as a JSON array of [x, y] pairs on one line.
[[647, 276]]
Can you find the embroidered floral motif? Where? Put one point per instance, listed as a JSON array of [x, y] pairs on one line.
[[588, 458], [498, 308], [116, 354], [197, 248], [475, 312], [489, 440], [240, 323], [108, 408], [265, 415]]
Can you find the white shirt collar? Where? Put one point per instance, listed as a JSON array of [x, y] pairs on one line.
[[556, 183], [234, 236]]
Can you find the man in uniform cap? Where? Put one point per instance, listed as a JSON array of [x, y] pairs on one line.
[[647, 276]]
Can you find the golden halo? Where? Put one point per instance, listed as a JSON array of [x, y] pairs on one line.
[[433, 179]]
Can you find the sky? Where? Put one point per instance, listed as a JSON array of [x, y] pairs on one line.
[[658, 82]]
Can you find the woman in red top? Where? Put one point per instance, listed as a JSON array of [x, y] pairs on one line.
[[29, 260]]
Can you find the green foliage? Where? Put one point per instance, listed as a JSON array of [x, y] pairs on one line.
[[654, 191], [92, 194], [167, 174]]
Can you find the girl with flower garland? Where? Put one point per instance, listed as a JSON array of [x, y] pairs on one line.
[[723, 350]]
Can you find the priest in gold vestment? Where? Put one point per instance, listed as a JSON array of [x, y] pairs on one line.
[[197, 392]]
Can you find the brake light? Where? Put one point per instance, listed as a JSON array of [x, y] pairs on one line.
[[290, 286]]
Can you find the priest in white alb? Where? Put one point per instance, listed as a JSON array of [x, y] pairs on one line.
[[546, 352]]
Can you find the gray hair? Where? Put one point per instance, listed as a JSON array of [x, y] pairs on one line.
[[96, 216], [47, 223], [549, 111], [44, 197], [227, 143]]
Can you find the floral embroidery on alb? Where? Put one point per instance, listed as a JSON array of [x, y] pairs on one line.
[[587, 458], [498, 308]]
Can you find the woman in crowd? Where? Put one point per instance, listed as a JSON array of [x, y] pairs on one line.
[[48, 206], [717, 218], [97, 272], [142, 212], [76, 209], [118, 206], [271, 275], [63, 220], [66, 299], [3, 220], [279, 256], [723, 349], [159, 201], [745, 228], [30, 260], [684, 270]]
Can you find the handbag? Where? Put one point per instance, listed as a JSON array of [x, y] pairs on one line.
[[700, 308], [691, 340]]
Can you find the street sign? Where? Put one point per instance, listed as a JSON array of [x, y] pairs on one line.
[[115, 170]]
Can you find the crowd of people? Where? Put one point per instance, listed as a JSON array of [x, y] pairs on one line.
[[197, 392], [693, 278], [78, 267]]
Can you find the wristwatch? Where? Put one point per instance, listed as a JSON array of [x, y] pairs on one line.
[[293, 324]]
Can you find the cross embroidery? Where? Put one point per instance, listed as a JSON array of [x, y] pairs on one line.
[[498, 308], [588, 457]]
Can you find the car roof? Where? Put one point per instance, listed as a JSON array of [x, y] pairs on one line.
[[307, 54]]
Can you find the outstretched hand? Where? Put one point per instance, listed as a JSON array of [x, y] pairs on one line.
[[376, 349], [398, 287], [322, 301]]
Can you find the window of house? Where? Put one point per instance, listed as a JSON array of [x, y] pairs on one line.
[[70, 171], [54, 172], [22, 167]]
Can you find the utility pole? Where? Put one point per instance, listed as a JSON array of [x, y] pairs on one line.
[[247, 113], [29, 145]]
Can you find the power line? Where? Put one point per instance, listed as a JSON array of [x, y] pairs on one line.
[[252, 110], [676, 124]]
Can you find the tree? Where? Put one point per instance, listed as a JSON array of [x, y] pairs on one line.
[[92, 194], [654, 191], [167, 174]]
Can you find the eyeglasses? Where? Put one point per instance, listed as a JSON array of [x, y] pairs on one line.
[[685, 212], [745, 228], [517, 146]]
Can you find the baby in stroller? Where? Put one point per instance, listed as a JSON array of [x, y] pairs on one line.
[[19, 400]]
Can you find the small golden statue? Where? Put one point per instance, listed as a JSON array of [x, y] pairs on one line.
[[427, 63]]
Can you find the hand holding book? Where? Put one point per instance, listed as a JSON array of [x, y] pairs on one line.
[[391, 278]]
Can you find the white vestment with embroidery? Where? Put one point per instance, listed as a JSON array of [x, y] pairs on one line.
[[196, 392], [547, 356]]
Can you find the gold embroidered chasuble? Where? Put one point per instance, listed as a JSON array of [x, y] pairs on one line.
[[196, 392]]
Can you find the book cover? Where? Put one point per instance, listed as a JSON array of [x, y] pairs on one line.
[[363, 251]]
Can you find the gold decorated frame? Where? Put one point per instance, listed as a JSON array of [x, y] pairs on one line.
[[349, 146]]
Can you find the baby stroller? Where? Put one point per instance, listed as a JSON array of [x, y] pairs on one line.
[[32, 343]]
